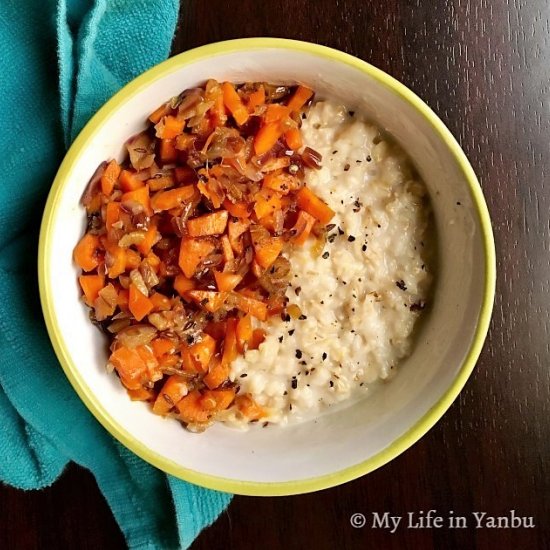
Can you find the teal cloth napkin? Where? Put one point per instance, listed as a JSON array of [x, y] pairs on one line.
[[61, 59]]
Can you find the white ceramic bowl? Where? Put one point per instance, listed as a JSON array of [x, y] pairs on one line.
[[344, 444]]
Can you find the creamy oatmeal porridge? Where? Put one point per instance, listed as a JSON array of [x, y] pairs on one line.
[[359, 296]]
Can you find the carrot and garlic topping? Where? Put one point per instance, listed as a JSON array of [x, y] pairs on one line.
[[185, 253]]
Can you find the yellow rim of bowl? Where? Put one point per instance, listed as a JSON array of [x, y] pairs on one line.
[[252, 487]]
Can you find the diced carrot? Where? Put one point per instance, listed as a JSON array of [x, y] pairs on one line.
[[300, 98], [274, 181], [115, 259], [130, 367], [94, 205], [141, 394], [312, 204], [267, 137], [256, 99], [168, 361], [173, 391], [123, 299], [141, 196], [267, 201], [230, 351], [208, 299], [162, 346], [227, 281], [185, 174], [266, 247], [133, 259], [250, 305], [201, 353], [160, 302], [110, 177], [216, 329], [275, 112], [217, 111], [302, 228], [227, 250], [293, 138], [237, 209], [161, 182], [169, 127], [244, 333], [268, 222], [208, 402], [234, 104], [251, 293], [128, 181], [191, 410], [162, 270], [211, 192], [188, 365], [151, 236], [218, 400], [208, 224], [275, 305], [91, 285], [161, 111], [258, 336], [218, 372], [276, 163], [280, 181], [248, 407], [165, 200], [183, 284], [86, 252], [112, 214], [138, 303], [268, 251], [192, 252], [184, 141], [235, 228], [167, 151], [153, 260]]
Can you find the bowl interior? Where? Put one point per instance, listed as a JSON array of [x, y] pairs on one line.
[[335, 441]]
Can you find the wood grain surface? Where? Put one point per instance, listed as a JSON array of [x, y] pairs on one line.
[[484, 67]]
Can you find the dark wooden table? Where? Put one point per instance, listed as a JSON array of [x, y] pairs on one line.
[[484, 67]]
